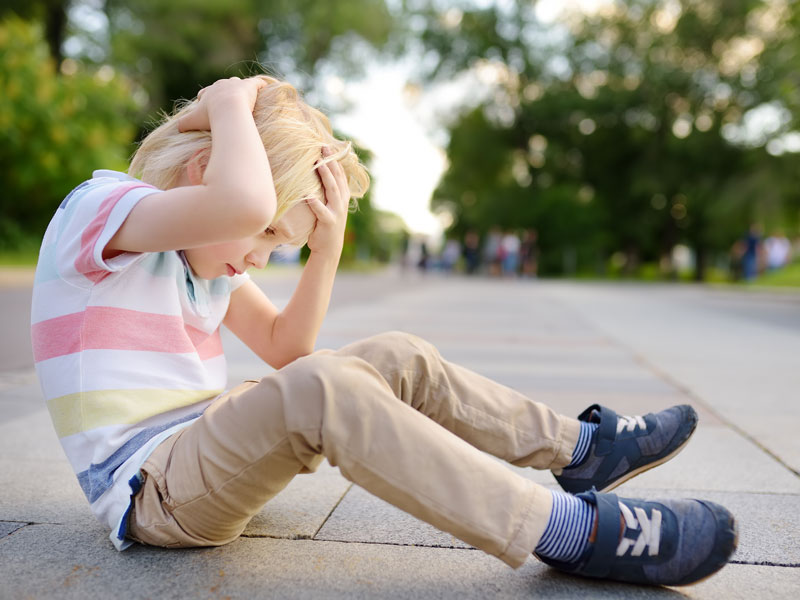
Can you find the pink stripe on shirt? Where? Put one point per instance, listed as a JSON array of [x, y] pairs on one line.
[[207, 346], [85, 263], [107, 328]]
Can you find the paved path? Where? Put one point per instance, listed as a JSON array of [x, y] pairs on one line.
[[637, 348]]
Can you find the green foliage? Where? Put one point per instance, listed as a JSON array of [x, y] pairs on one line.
[[174, 48], [619, 136], [788, 276], [54, 129]]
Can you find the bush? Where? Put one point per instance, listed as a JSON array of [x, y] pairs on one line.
[[56, 126]]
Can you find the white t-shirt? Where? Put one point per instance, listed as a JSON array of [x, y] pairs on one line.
[[127, 350]]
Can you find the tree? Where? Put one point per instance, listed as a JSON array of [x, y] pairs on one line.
[[629, 121], [54, 128]]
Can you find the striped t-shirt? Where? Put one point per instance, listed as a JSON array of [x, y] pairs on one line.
[[127, 350]]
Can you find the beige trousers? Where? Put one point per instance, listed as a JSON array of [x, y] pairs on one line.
[[395, 417]]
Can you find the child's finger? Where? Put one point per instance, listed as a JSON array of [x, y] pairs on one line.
[[194, 120], [320, 211], [328, 182], [341, 180]]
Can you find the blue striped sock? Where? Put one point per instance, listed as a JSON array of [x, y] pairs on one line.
[[567, 533], [584, 441]]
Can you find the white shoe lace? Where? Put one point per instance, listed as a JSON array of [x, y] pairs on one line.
[[630, 423], [650, 536]]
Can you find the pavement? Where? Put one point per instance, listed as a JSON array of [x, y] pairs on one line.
[[636, 348]]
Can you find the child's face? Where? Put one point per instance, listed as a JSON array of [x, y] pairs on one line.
[[216, 260]]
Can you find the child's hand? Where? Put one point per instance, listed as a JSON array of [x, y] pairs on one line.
[[328, 235], [221, 92]]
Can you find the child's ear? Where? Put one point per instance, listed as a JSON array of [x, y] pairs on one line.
[[197, 166]]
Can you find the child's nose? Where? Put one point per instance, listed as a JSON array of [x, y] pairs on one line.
[[259, 258]]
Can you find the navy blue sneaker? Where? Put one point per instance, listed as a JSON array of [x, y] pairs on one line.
[[623, 447], [665, 542]]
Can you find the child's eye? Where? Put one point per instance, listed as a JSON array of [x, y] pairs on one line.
[[269, 231]]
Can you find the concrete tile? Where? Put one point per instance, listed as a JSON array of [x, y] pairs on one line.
[[30, 437], [17, 378], [539, 383], [362, 517], [41, 491], [20, 395], [8, 527], [35, 562], [302, 507]]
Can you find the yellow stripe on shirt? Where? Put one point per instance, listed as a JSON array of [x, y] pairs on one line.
[[85, 411]]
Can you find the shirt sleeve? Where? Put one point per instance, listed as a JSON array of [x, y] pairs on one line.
[[90, 219]]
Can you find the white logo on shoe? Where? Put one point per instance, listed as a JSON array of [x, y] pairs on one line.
[[650, 536], [630, 423]]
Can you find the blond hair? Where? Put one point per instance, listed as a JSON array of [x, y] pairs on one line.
[[293, 134]]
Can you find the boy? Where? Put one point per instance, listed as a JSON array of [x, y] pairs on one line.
[[135, 277]]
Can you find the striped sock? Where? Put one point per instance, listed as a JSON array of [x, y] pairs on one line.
[[567, 533], [584, 441]]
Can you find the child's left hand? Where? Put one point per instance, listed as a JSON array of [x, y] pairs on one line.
[[328, 235]]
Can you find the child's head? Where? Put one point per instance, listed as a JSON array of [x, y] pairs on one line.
[[293, 134]]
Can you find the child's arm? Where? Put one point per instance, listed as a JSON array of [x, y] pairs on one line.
[[281, 337], [234, 198]]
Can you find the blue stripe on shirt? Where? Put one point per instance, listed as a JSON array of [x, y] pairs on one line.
[[98, 478]]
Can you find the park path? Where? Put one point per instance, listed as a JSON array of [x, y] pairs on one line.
[[635, 348]]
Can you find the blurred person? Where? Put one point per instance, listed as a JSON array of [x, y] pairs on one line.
[[472, 257], [451, 253], [510, 245], [405, 243], [777, 251], [137, 273], [493, 251], [751, 252], [529, 253], [424, 257]]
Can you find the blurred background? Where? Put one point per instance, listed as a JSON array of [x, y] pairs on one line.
[[648, 139]]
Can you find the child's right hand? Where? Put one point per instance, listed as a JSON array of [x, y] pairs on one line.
[[221, 92]]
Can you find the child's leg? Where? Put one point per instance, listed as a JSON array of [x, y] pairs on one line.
[[503, 422], [490, 416], [206, 482]]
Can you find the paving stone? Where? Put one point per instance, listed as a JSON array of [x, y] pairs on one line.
[[362, 517], [42, 491], [540, 382], [302, 507], [30, 437], [87, 567], [8, 527], [20, 395]]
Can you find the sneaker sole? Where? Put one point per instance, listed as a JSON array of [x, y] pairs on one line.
[[648, 466]]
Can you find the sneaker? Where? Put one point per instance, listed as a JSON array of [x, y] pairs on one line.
[[665, 542], [623, 447]]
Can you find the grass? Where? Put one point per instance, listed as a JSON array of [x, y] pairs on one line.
[[788, 276], [22, 257]]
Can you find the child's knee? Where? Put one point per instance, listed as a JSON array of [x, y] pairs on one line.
[[396, 347]]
